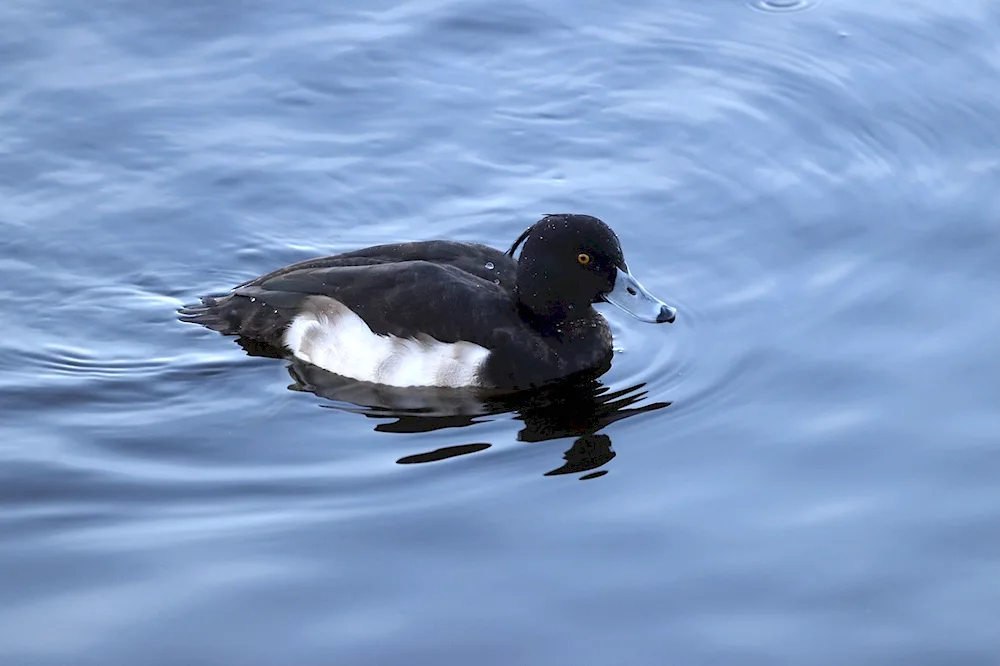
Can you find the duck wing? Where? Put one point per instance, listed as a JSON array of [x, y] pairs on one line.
[[404, 299]]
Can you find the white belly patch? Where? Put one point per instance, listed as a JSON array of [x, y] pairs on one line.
[[331, 336]]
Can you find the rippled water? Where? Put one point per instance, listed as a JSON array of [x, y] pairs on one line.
[[801, 470]]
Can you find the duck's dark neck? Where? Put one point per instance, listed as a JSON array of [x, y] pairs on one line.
[[548, 314]]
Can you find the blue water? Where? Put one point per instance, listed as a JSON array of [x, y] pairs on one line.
[[802, 470]]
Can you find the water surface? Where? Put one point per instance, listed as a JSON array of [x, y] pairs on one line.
[[801, 470]]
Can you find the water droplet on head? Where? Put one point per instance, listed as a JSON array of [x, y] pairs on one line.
[[490, 266]]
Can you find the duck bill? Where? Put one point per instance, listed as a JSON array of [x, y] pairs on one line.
[[633, 298]]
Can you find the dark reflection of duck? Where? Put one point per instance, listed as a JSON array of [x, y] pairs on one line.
[[580, 408]]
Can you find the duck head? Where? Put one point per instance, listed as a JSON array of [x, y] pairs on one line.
[[569, 262]]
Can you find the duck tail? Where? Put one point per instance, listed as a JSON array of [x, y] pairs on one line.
[[218, 313], [241, 315]]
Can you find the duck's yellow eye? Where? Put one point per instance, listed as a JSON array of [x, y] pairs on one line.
[[583, 258]]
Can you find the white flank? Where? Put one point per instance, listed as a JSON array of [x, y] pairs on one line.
[[331, 336]]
